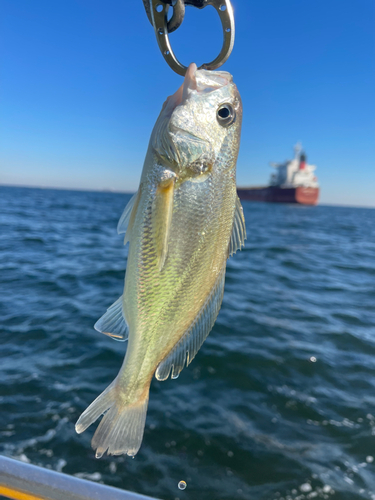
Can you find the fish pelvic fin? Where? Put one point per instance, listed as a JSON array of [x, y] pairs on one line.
[[113, 322], [162, 217], [238, 237], [127, 218], [192, 340], [120, 431]]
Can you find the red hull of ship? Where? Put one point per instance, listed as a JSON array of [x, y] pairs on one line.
[[302, 195]]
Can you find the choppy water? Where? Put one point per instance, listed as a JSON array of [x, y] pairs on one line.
[[280, 401]]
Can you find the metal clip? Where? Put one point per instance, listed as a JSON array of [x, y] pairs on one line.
[[178, 12], [159, 12]]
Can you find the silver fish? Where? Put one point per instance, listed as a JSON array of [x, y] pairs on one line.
[[182, 225]]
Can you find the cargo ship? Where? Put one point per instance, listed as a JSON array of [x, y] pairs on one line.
[[293, 182]]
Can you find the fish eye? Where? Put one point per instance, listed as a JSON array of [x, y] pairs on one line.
[[226, 115]]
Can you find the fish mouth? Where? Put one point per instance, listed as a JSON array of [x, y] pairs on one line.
[[190, 81], [181, 93], [199, 80]]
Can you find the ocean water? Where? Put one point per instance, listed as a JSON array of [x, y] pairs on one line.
[[278, 404]]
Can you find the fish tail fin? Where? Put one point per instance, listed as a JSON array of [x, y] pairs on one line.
[[121, 428]]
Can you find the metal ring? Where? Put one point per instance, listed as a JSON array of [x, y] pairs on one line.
[[159, 12]]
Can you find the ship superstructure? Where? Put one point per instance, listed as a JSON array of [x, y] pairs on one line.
[[293, 182], [294, 173]]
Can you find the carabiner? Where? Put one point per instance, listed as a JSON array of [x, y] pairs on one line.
[[159, 13], [177, 16]]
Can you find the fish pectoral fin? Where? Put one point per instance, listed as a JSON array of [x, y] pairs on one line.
[[195, 335], [127, 218], [113, 322], [162, 210], [238, 237]]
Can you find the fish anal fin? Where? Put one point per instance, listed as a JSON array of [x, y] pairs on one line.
[[238, 236], [113, 322], [162, 217], [127, 218], [192, 340]]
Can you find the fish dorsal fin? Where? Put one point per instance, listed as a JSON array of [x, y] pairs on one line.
[[162, 210], [193, 338], [238, 237], [126, 221], [113, 322]]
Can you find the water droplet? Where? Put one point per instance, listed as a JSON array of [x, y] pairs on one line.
[[313, 359], [230, 453], [305, 487], [369, 459], [182, 485]]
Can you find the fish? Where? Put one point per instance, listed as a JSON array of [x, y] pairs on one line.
[[182, 225]]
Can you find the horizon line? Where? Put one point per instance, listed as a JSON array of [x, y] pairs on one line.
[[117, 191]]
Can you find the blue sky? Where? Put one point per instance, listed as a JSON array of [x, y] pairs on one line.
[[82, 83]]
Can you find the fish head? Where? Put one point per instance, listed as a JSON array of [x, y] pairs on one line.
[[199, 126]]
